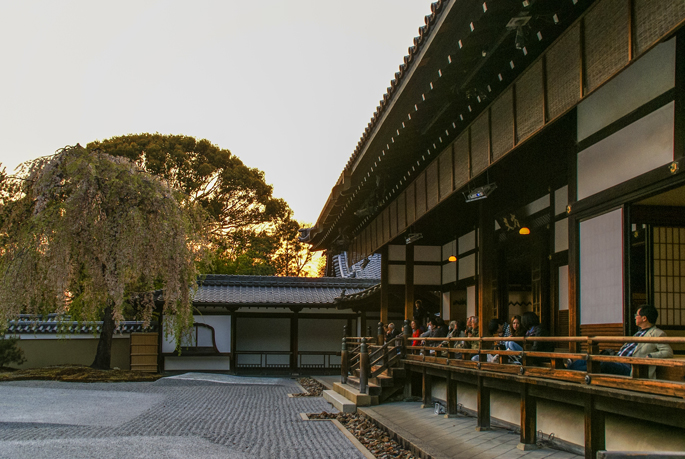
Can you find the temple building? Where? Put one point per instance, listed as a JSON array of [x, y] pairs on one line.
[[528, 156]]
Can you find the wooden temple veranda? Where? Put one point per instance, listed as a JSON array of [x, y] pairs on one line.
[[564, 119]]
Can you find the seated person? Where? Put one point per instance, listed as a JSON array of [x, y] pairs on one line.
[[530, 322], [644, 319]]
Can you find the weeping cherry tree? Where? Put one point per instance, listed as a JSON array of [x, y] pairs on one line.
[[88, 234]]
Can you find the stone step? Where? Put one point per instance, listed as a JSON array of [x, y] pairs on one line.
[[340, 402], [353, 395]]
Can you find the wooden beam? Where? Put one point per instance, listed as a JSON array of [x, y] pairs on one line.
[[427, 389], [451, 393], [409, 283], [528, 419], [595, 431], [385, 284], [483, 420]]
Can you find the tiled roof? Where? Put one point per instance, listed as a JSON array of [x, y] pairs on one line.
[[37, 326], [358, 295], [218, 289], [367, 268]]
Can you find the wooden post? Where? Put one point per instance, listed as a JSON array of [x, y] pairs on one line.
[[385, 285], [406, 333], [594, 429], [451, 395], [483, 420], [234, 356], [344, 362], [294, 339], [592, 366], [528, 420], [380, 336], [409, 283], [362, 323], [363, 367], [427, 389]]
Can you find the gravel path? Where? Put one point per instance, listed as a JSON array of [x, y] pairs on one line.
[[193, 416]]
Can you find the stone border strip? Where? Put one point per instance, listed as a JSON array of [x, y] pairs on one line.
[[350, 436], [414, 448]]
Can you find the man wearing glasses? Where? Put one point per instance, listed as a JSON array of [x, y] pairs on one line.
[[645, 320]]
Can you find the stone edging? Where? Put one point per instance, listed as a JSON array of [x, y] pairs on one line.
[[362, 449]]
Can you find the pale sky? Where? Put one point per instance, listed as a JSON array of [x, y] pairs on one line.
[[288, 86]]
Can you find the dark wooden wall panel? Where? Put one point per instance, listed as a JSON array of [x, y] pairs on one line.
[[432, 185], [445, 168], [502, 114], [411, 204], [653, 23], [401, 212], [393, 218], [480, 144], [420, 194], [606, 41], [563, 73], [386, 225], [529, 102], [461, 160], [602, 330]]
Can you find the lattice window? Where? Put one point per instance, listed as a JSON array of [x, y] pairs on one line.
[[606, 41], [653, 22], [393, 218], [480, 144], [529, 102], [420, 194], [445, 167], [502, 114], [432, 184], [563, 73], [668, 250], [401, 212], [411, 205]]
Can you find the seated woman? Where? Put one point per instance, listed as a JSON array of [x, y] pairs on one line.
[[530, 322]]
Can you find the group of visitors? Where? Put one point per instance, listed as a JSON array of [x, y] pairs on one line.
[[528, 325]]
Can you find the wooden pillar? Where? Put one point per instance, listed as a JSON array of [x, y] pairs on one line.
[[362, 323], [294, 341], [483, 420], [409, 283], [486, 266], [573, 250], [234, 328], [679, 140], [594, 429], [427, 389], [451, 393], [528, 420], [385, 293]]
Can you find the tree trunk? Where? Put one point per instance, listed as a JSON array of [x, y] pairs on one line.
[[103, 356]]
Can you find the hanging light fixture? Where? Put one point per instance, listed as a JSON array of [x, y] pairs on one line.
[[524, 230]]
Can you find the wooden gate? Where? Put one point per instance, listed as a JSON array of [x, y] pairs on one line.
[[144, 349]]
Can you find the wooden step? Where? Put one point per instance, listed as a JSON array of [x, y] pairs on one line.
[[383, 381], [339, 401], [371, 388], [353, 395]]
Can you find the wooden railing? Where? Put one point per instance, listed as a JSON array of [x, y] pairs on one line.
[[552, 365], [369, 360]]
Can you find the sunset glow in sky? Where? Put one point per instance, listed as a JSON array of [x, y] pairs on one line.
[[288, 86]]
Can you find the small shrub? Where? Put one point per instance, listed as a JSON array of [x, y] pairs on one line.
[[10, 353]]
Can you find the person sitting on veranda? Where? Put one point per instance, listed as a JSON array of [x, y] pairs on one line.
[[530, 322], [499, 327], [644, 319], [391, 333], [415, 333]]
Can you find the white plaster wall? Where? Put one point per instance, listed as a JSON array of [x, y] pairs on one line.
[[471, 300], [651, 75], [563, 287], [566, 422], [505, 406], [467, 396], [427, 275], [439, 389], [222, 332], [628, 435], [561, 235], [449, 273], [197, 363], [536, 206], [467, 242], [601, 269], [560, 200], [449, 249], [397, 252], [467, 266], [427, 253], [320, 334], [638, 148], [396, 274]]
